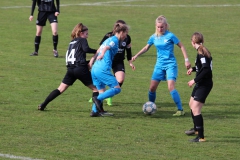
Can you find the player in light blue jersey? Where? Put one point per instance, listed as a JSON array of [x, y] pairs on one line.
[[166, 65], [101, 69]]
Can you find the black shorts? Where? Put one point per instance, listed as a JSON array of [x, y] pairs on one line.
[[200, 92], [81, 73], [118, 66], [43, 16]]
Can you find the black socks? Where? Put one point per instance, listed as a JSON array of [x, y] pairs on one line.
[[198, 121], [51, 97], [37, 43]]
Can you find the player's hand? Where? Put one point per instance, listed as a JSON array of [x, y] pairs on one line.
[[30, 18], [134, 58], [189, 71], [191, 83], [57, 13], [99, 57], [188, 64], [131, 65]]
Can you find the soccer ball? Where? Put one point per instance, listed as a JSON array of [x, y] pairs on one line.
[[149, 108]]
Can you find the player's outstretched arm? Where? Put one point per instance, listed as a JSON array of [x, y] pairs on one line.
[[143, 50]]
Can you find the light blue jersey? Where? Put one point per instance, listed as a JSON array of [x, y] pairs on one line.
[[165, 47], [101, 70], [106, 61], [166, 64]]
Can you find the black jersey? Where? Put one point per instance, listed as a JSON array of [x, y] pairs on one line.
[[122, 46], [45, 6], [76, 53], [203, 68]]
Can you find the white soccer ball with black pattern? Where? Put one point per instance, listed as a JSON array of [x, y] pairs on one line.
[[149, 108]]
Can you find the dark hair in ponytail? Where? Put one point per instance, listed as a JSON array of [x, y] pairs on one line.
[[197, 37], [118, 27]]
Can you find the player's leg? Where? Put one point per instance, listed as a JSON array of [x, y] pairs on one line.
[[111, 81], [55, 93], [119, 73], [90, 80], [114, 88], [109, 93], [198, 120], [157, 76], [95, 111], [193, 130], [40, 23], [152, 90], [120, 76], [176, 98], [54, 26], [67, 81], [196, 107], [171, 74]]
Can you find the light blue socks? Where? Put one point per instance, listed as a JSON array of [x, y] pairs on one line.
[[108, 93], [151, 96], [176, 98]]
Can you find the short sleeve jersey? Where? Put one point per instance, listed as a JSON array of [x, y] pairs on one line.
[[106, 61], [122, 46], [76, 53], [165, 48]]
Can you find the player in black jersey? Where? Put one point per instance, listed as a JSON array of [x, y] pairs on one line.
[[203, 85], [118, 61], [77, 66], [47, 10]]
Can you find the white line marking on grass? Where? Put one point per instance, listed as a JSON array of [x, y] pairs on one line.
[[16, 157], [113, 3]]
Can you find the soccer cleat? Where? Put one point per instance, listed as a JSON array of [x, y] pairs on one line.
[[95, 114], [105, 114], [34, 54], [179, 113], [198, 139], [109, 101], [90, 100], [97, 103], [55, 53], [191, 132], [40, 107]]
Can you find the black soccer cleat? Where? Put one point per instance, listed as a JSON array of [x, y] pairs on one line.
[[191, 132], [55, 53], [34, 54], [95, 114], [97, 103], [198, 139], [40, 107], [106, 114]]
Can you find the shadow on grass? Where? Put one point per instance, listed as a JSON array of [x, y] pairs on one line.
[[164, 112], [228, 139]]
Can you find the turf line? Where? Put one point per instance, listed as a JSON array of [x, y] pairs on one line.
[[113, 3], [17, 157]]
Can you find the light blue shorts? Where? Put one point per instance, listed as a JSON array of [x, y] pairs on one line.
[[101, 78], [165, 73]]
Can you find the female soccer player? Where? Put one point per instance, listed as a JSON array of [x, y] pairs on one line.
[[118, 66], [101, 70], [203, 85], [77, 66], [166, 66], [47, 10]]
